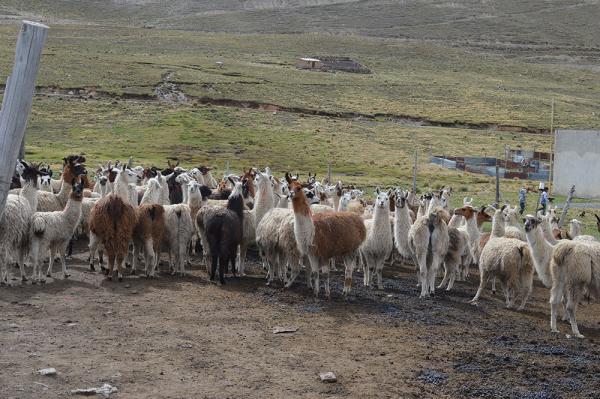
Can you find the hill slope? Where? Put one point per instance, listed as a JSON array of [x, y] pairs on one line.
[[499, 22]]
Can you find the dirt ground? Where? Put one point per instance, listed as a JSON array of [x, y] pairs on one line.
[[176, 337]]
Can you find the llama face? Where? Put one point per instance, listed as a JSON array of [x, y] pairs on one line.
[[45, 181], [467, 211], [382, 200], [531, 222], [400, 199], [130, 176]]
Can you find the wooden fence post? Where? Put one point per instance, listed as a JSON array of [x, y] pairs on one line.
[[497, 203], [16, 103], [563, 215]]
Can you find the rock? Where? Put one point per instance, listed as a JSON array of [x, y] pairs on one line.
[[283, 330], [105, 390], [48, 371], [328, 377]]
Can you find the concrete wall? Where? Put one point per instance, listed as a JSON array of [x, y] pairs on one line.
[[577, 162]]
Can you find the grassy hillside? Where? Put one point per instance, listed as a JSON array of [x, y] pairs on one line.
[[571, 23], [420, 80]]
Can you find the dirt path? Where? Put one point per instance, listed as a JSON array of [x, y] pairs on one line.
[[185, 337]]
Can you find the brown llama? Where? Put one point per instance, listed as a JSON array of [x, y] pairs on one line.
[[325, 236], [112, 221], [147, 236]]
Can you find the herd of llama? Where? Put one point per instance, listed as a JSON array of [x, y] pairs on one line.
[[135, 214]]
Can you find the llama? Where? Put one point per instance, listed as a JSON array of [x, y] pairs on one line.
[[223, 229], [428, 240], [262, 204], [575, 271], [179, 229], [147, 236], [153, 193], [325, 236], [125, 177], [53, 231], [379, 243], [402, 223], [458, 256], [513, 228], [112, 221], [15, 221], [507, 260], [73, 168]]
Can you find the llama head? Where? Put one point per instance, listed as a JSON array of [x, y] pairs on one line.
[[262, 179], [46, 181], [483, 216], [400, 198], [382, 199], [294, 187], [73, 167], [77, 193], [130, 175], [237, 190], [511, 214], [31, 172], [20, 167], [531, 222], [204, 170], [467, 211], [312, 178]]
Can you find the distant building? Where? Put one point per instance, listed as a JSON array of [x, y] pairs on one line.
[[331, 64], [309, 63], [576, 160]]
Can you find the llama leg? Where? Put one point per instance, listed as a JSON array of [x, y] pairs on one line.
[[326, 273], [50, 264], [446, 275], [242, 259], [452, 278], [120, 261], [134, 260], [149, 255], [494, 286], [556, 296], [572, 303], [423, 276], [111, 262], [223, 262], [101, 259], [528, 286], [314, 273], [379, 271], [63, 263], [485, 276], [349, 268], [22, 265]]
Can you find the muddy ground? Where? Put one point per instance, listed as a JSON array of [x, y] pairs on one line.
[[176, 337]]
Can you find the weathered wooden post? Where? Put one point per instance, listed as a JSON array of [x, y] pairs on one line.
[[497, 203], [16, 103], [563, 215]]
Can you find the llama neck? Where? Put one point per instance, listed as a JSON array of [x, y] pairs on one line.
[[236, 204], [542, 254], [304, 229], [29, 192], [121, 188], [65, 189], [455, 221], [402, 216], [336, 201], [72, 212], [498, 225], [472, 228], [547, 231], [283, 202], [263, 201], [381, 216]]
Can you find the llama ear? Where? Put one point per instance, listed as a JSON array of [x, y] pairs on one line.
[[231, 180], [288, 178], [597, 218], [377, 190]]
